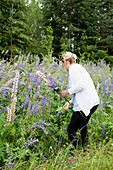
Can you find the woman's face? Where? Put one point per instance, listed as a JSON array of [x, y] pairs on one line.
[[66, 65]]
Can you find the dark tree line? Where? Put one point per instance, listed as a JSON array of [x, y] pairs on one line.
[[82, 26]]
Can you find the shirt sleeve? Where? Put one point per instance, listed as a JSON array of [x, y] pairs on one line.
[[77, 81]]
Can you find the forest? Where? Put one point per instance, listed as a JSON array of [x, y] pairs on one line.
[[33, 125], [42, 27]]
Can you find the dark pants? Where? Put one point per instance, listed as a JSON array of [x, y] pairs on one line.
[[79, 121]]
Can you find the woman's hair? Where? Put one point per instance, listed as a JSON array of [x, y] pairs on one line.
[[68, 56]]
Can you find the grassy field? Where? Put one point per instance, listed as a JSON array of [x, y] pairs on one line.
[[33, 123]]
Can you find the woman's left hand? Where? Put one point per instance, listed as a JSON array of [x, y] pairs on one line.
[[66, 106]]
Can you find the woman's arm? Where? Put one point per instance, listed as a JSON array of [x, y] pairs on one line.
[[77, 81], [64, 93]]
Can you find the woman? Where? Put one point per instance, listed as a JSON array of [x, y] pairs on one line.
[[85, 99]]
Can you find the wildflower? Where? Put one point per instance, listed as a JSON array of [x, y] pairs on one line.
[[93, 121], [10, 158], [15, 57], [58, 114], [40, 74], [28, 54], [43, 157], [3, 109], [29, 142], [53, 84], [2, 52], [40, 125], [6, 84], [15, 65], [7, 149], [10, 116], [98, 87], [2, 62], [43, 128], [64, 129], [45, 123], [15, 84], [103, 128], [110, 102], [6, 51]]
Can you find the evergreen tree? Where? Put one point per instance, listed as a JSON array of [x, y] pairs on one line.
[[35, 26], [55, 16], [106, 25], [13, 35]]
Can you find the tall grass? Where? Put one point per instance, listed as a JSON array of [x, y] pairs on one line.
[[33, 128]]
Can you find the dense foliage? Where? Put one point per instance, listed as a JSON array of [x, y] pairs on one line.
[[33, 124], [39, 27]]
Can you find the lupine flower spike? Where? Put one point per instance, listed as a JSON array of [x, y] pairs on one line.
[[41, 75], [98, 87], [53, 84], [11, 111]]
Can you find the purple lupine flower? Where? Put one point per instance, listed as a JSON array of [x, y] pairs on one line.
[[58, 114], [110, 86], [3, 61], [7, 151], [45, 123], [41, 125], [12, 159], [61, 79], [9, 158], [35, 108], [43, 128], [28, 54], [3, 109], [23, 147], [93, 121], [103, 128], [110, 102], [29, 142], [12, 165], [44, 100], [2, 69], [6, 89], [15, 57], [64, 129], [53, 84], [43, 157], [25, 143]]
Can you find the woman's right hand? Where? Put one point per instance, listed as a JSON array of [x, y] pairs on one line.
[[66, 106]]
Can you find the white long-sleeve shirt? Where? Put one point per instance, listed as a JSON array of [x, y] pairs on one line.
[[83, 86]]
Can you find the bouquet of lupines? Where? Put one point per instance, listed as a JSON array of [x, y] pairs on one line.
[[53, 84], [49, 81]]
